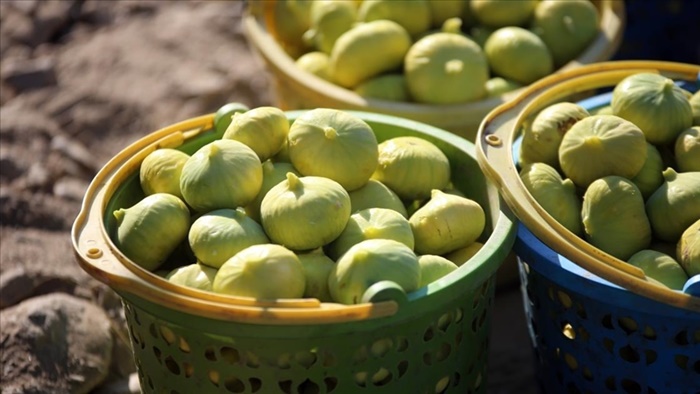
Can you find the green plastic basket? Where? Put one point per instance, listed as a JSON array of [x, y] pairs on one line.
[[433, 340]]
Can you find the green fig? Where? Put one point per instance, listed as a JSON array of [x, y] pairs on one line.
[[317, 267], [371, 223], [223, 116], [498, 86], [334, 144], [442, 11], [433, 267], [567, 27], [695, 107], [412, 167], [613, 217], [263, 129], [218, 235], [273, 173], [687, 150], [197, 276], [675, 205], [500, 13], [688, 249], [557, 196], [375, 194], [518, 54], [391, 87], [329, 19], [160, 171], [446, 223], [354, 57], [542, 137], [446, 68], [221, 174], [304, 213], [650, 177], [660, 267], [369, 262], [266, 271], [655, 104], [462, 255], [414, 16], [287, 22], [315, 63], [480, 34], [602, 145], [149, 231]]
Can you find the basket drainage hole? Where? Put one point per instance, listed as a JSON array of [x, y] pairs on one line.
[[429, 334], [403, 367], [234, 385], [442, 384], [308, 387], [331, 384], [230, 355], [255, 384], [630, 386], [681, 338], [172, 366], [568, 331], [629, 354], [628, 325], [210, 354], [285, 386]]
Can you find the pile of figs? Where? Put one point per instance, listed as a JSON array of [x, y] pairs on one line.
[[432, 51], [625, 177], [316, 207]]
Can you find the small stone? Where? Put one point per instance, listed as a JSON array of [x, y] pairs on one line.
[[70, 188], [75, 151], [23, 75]]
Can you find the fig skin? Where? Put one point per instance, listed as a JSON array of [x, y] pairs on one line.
[[266, 271], [371, 223], [263, 129], [660, 267], [688, 249], [445, 223], [557, 196], [650, 177], [412, 167], [221, 174], [375, 194], [305, 213], [160, 171], [433, 267], [218, 235], [197, 276], [273, 173], [655, 104], [599, 146], [316, 63], [317, 267], [675, 205], [149, 231], [334, 144], [614, 218], [328, 20], [500, 13], [461, 256], [687, 150], [414, 16], [224, 115], [541, 139], [369, 262]]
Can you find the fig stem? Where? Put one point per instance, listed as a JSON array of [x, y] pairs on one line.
[[213, 150], [119, 215], [670, 174], [293, 181], [330, 133]]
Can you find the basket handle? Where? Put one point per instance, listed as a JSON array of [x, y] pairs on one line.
[[494, 154]]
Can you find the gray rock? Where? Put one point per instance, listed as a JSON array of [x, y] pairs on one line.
[[28, 74], [70, 188], [55, 343]]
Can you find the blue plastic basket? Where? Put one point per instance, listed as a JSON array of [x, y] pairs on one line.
[[594, 329]]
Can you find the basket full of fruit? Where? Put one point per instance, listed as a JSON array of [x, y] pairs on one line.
[[607, 190], [445, 63], [322, 250]]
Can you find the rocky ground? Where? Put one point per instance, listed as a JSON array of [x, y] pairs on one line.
[[80, 80]]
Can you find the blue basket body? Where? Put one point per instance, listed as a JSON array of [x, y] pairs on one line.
[[592, 336]]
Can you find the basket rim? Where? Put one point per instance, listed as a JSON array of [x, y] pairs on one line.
[[502, 125], [99, 257]]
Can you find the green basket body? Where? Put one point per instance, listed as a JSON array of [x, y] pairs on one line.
[[436, 341]]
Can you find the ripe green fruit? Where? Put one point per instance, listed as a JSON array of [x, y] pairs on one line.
[[498, 86], [602, 145], [222, 117], [412, 167], [557, 196], [687, 150], [650, 177], [218, 235], [375, 194], [441, 11], [500, 13], [414, 16], [446, 68], [287, 22], [304, 213], [263, 129], [197, 276], [334, 144], [160, 171], [445, 223], [221, 174], [151, 229], [675, 205], [266, 271], [462, 255], [695, 107], [518, 54], [541, 139], [433, 267], [371, 223], [390, 87], [369, 262], [316, 63], [655, 104], [329, 19], [567, 27], [273, 173], [317, 267], [354, 57], [660, 267], [688, 249], [613, 217]]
